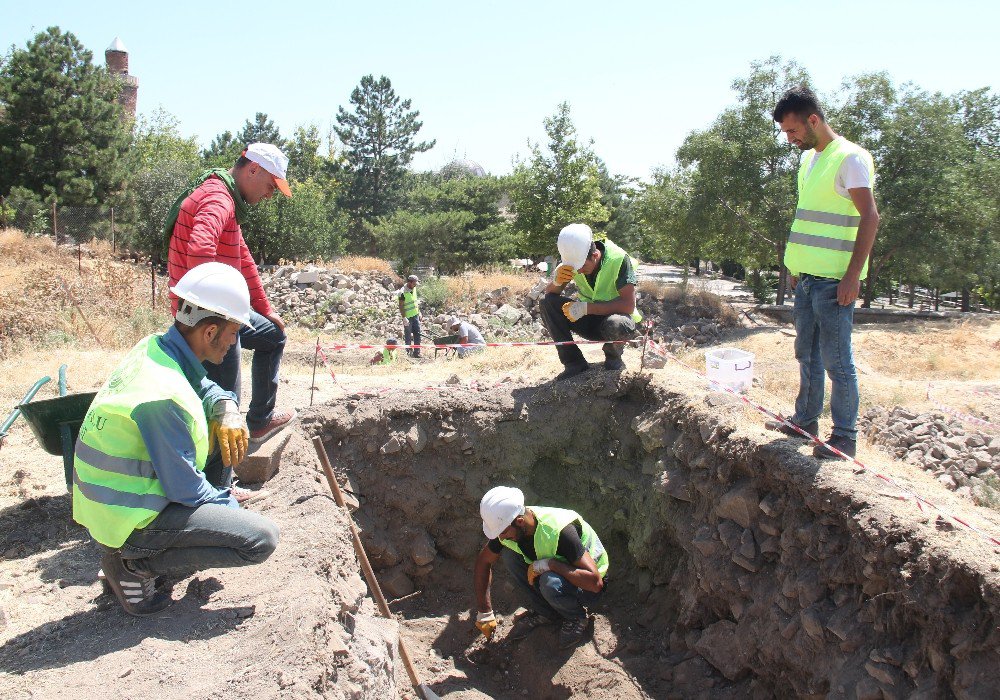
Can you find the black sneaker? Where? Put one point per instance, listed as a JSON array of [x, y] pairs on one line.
[[136, 592], [527, 624], [613, 356], [573, 370], [573, 632], [845, 445], [811, 428]]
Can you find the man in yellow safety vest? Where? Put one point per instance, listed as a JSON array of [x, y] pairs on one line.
[[605, 276], [139, 481], [552, 553], [409, 309], [827, 256]]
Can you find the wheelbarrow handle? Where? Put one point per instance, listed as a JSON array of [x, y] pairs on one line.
[[5, 426]]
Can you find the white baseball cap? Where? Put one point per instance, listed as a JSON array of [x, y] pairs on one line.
[[273, 161]]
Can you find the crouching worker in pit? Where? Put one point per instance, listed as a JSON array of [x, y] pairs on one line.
[[552, 553], [606, 279], [139, 481]]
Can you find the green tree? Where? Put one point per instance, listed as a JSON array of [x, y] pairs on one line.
[[449, 223], [261, 130], [663, 209], [62, 131], [556, 187], [304, 227], [379, 137], [222, 152], [160, 163], [743, 174]]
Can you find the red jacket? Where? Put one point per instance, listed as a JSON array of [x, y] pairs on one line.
[[207, 230]]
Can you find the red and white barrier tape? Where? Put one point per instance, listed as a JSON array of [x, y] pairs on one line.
[[660, 349], [964, 417]]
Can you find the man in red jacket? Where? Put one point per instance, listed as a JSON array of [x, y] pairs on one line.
[[204, 226]]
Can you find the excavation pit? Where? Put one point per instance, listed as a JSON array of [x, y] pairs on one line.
[[740, 567]]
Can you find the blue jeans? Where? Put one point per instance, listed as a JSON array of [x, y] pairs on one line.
[[411, 332], [182, 540], [552, 596], [268, 344], [823, 342]]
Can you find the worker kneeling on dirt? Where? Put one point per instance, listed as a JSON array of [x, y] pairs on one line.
[[139, 481], [387, 355], [551, 552], [606, 280]]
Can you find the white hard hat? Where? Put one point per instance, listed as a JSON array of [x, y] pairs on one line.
[[499, 507], [454, 321], [574, 245], [212, 289]]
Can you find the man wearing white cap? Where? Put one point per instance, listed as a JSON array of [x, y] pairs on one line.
[[553, 553], [204, 226], [467, 335], [606, 279]]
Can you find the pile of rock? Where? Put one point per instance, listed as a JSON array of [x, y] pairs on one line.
[[963, 461], [365, 305]]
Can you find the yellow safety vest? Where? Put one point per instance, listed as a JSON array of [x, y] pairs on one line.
[[115, 488], [825, 228], [551, 522], [606, 285]]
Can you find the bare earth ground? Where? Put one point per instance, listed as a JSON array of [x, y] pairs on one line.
[[48, 589]]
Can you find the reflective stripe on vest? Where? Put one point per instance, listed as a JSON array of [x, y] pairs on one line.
[[410, 303], [115, 488], [387, 357], [551, 522], [825, 228], [606, 285]]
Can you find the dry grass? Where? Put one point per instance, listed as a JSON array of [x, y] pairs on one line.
[[48, 299], [894, 363], [688, 302], [360, 263], [506, 287]]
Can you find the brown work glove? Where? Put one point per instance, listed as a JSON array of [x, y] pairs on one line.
[[486, 622], [564, 273], [229, 429], [574, 310]]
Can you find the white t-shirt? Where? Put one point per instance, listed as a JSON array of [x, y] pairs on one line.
[[853, 173], [467, 329]]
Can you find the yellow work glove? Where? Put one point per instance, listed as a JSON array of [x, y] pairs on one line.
[[536, 569], [574, 310], [229, 428], [564, 274], [486, 622]]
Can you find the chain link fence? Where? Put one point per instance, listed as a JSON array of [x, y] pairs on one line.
[[65, 224]]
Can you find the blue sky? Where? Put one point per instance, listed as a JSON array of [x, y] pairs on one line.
[[638, 75]]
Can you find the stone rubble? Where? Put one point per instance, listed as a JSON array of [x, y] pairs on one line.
[[364, 305], [967, 462]]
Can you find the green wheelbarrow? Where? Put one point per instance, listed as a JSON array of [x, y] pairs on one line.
[[56, 424]]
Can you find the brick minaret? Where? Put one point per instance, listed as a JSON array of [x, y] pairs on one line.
[[116, 57]]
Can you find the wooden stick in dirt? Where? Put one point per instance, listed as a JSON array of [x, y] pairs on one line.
[[425, 692], [312, 389]]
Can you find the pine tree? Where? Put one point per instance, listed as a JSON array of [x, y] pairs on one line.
[[379, 142], [62, 132]]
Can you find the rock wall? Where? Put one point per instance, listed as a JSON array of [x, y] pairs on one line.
[[757, 570]]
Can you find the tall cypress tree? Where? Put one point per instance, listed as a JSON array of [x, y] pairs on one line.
[[62, 132]]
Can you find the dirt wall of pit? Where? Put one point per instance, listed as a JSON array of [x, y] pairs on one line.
[[759, 569]]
